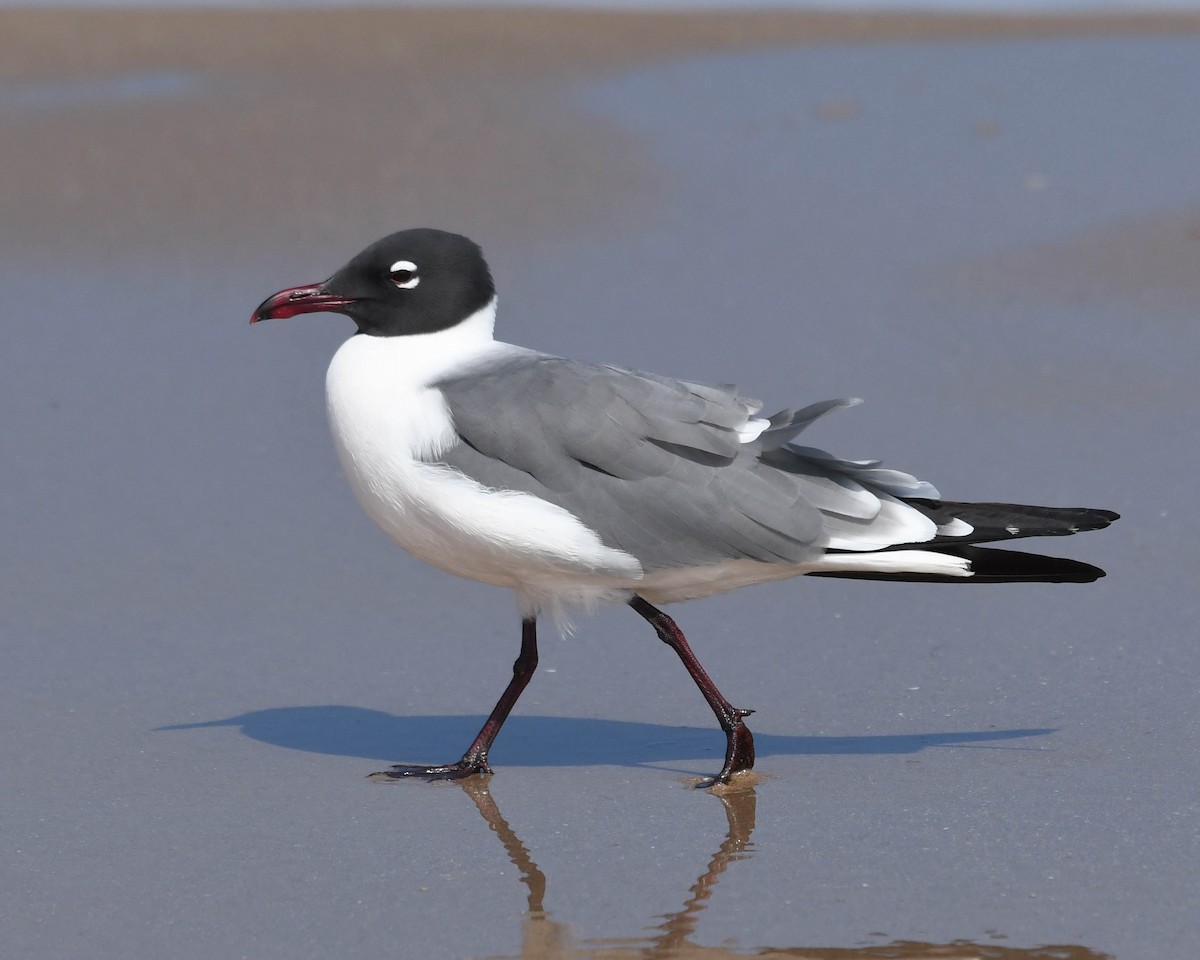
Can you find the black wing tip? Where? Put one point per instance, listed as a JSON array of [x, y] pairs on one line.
[[1089, 518], [993, 521]]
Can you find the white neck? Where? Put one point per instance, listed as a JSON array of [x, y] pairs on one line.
[[381, 386], [424, 358]]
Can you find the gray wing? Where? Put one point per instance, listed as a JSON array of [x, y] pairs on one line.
[[656, 466]]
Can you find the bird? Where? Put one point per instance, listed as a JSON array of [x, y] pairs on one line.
[[576, 484]]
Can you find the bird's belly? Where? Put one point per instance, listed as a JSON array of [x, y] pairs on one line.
[[430, 513], [507, 539]]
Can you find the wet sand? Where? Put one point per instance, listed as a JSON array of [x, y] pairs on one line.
[[251, 125], [985, 226]]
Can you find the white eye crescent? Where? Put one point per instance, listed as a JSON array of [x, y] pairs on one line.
[[403, 273]]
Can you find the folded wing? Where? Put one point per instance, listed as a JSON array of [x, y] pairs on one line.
[[674, 473]]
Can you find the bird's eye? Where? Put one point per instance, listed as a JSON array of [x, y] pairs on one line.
[[403, 273]]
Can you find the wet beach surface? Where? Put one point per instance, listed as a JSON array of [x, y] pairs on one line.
[[987, 228]]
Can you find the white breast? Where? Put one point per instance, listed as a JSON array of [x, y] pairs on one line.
[[389, 426]]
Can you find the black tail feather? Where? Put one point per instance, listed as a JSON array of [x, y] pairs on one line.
[[989, 565]]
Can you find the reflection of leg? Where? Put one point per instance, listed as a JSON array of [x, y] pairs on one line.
[[475, 760], [540, 936], [518, 854], [741, 807], [739, 748], [677, 928]]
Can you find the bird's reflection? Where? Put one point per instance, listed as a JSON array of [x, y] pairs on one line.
[[740, 803], [544, 939]]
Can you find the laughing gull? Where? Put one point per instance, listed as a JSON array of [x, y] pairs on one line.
[[575, 484]]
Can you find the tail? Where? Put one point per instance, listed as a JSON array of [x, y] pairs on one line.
[[989, 523], [988, 566]]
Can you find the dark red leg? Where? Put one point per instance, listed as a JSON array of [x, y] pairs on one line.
[[475, 760], [739, 750]]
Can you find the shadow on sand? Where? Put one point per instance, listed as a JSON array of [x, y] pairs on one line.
[[555, 741]]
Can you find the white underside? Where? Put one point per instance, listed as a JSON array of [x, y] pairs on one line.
[[389, 426]]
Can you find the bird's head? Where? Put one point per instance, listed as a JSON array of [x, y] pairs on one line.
[[414, 281]]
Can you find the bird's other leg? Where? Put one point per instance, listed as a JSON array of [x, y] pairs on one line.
[[475, 760], [739, 749]]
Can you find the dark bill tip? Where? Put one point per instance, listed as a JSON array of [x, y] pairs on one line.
[[289, 303]]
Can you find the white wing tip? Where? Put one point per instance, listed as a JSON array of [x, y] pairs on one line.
[[955, 528], [752, 429]]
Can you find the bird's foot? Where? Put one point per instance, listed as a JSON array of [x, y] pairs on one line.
[[739, 752], [461, 770]]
